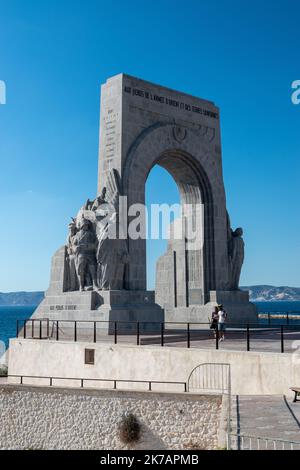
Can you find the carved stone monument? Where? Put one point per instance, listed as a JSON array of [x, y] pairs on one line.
[[100, 274]]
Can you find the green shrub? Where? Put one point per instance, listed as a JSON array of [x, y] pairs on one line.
[[129, 429]]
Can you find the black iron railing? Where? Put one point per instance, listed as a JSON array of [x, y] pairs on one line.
[[82, 381], [153, 332]]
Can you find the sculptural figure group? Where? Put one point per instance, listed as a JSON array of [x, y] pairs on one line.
[[96, 258]]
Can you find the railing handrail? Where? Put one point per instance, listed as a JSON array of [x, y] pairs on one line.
[[95, 379], [228, 323], [84, 379], [155, 328], [269, 439]]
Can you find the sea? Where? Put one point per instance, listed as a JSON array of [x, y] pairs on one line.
[[9, 316]]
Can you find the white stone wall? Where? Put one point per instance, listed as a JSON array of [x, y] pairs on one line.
[[43, 418], [252, 373]]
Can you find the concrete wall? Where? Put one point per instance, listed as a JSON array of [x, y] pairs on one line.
[[252, 372], [33, 418]]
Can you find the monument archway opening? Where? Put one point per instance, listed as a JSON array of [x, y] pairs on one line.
[[163, 207], [184, 275]]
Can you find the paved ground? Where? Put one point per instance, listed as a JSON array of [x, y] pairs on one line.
[[272, 417]]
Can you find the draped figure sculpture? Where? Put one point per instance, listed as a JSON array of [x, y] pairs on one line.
[[71, 275], [112, 251], [236, 254]]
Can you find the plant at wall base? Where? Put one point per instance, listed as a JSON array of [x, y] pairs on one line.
[[192, 445], [129, 429]]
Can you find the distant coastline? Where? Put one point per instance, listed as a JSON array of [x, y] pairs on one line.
[[258, 293], [266, 293]]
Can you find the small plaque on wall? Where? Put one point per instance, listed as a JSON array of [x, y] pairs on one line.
[[89, 356]]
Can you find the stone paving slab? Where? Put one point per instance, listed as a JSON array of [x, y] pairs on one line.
[[272, 417]]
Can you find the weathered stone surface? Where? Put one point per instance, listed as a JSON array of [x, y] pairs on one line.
[[68, 419]]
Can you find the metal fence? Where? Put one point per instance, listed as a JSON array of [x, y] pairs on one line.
[[54, 381], [243, 442], [248, 337], [213, 378]]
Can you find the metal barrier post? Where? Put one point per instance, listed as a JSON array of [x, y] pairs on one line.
[[282, 339], [95, 332], [57, 334], [188, 336], [116, 333], [138, 333], [248, 338], [41, 325], [217, 336], [75, 331], [162, 335]]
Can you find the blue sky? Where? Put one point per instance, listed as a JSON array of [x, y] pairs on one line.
[[54, 55]]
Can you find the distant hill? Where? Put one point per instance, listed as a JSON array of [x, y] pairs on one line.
[[272, 293], [257, 294], [21, 298]]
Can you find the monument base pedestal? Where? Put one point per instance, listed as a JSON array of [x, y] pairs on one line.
[[104, 307], [122, 310], [236, 303]]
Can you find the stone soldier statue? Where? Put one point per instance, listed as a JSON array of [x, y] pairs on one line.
[[72, 278], [236, 253], [85, 249], [95, 203], [99, 200], [88, 205]]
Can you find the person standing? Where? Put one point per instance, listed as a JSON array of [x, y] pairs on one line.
[[214, 320], [222, 315]]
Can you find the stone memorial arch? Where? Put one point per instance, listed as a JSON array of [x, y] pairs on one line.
[[143, 125]]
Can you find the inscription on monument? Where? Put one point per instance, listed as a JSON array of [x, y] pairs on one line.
[[110, 137], [170, 102], [62, 307]]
